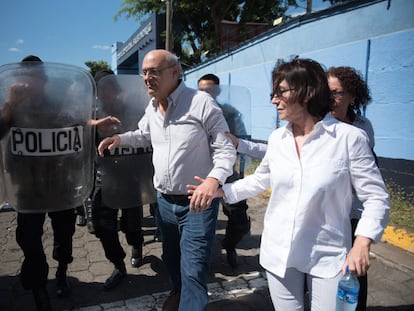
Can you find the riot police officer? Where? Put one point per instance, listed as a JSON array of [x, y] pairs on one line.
[[238, 223], [46, 159], [114, 182]]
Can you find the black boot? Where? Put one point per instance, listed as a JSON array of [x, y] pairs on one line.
[[230, 253], [62, 285], [81, 217], [136, 256], [41, 298], [238, 226], [116, 277]]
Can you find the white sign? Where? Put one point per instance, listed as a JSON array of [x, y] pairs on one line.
[[144, 32], [46, 142]]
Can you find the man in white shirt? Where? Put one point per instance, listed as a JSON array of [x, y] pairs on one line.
[[187, 131]]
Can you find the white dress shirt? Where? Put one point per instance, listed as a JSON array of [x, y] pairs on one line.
[[365, 125], [189, 141], [307, 225]]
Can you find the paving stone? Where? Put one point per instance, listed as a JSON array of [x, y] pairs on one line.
[[391, 275]]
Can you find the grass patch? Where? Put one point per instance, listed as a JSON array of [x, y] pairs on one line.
[[251, 165], [402, 208]]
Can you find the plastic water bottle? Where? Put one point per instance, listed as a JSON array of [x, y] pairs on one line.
[[347, 295]]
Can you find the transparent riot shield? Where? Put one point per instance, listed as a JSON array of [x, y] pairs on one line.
[[46, 137], [2, 187], [235, 102], [126, 174]]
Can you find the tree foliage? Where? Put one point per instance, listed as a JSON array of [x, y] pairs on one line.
[[196, 24], [94, 66]]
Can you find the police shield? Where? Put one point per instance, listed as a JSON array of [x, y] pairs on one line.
[[2, 187], [46, 137], [125, 174], [235, 103]]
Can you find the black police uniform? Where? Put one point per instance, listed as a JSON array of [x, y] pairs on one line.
[[104, 217], [238, 223]]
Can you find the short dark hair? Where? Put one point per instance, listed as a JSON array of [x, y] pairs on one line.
[[32, 58], [33, 65], [210, 77], [102, 73], [309, 80], [352, 82]]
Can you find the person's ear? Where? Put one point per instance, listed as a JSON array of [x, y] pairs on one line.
[[176, 72]]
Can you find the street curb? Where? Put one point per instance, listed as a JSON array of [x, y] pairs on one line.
[[400, 238], [392, 264]]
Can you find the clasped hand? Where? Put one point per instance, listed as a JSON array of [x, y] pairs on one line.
[[202, 195]]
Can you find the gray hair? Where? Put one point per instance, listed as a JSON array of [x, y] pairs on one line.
[[173, 59]]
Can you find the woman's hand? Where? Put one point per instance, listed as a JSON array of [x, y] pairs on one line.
[[234, 139], [358, 257]]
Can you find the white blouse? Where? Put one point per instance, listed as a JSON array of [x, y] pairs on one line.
[[307, 225]]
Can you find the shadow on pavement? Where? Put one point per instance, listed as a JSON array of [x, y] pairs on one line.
[[84, 294], [392, 308]]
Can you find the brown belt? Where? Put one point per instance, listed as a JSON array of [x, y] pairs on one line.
[[176, 198]]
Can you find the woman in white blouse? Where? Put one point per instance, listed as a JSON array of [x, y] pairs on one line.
[[311, 166], [351, 93]]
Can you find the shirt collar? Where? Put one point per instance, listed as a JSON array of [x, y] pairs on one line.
[[328, 124], [172, 98]]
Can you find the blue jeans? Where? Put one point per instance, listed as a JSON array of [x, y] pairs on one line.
[[187, 242]]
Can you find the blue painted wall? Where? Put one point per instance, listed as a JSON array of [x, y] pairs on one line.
[[376, 37]]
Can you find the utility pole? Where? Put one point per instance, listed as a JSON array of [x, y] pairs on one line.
[[308, 6], [168, 25]]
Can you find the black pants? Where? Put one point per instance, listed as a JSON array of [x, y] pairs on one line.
[[35, 269], [105, 223], [363, 280], [238, 223]]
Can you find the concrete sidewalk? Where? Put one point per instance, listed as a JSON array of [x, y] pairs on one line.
[[391, 276]]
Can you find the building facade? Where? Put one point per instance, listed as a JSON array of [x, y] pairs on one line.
[[127, 56], [374, 36]]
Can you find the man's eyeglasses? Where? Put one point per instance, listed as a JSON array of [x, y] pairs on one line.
[[279, 93], [154, 72], [337, 94]]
